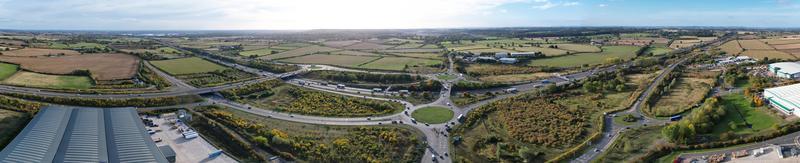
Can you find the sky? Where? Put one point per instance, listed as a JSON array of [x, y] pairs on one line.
[[388, 14]]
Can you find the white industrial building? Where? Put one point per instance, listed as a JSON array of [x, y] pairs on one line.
[[784, 98], [789, 70], [508, 60], [516, 54]]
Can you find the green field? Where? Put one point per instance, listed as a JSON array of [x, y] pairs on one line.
[[445, 77], [336, 60], [758, 117], [32, 79], [621, 52], [76, 45], [658, 50], [259, 52], [399, 63], [187, 66], [6, 70], [432, 115]]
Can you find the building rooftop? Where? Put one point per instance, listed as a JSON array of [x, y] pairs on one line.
[[67, 134], [786, 95], [787, 67]]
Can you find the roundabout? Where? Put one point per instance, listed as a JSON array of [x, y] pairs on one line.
[[432, 115]]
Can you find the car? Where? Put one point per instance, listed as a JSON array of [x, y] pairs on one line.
[[433, 157], [413, 120], [426, 124], [369, 118]]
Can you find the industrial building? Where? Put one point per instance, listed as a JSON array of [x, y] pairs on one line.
[[785, 98], [67, 134], [789, 70]]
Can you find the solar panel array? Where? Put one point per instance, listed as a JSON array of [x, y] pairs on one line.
[[61, 134]]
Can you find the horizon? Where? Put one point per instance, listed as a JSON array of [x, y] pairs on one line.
[[114, 15]]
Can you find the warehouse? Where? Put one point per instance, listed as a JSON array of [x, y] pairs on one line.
[[66, 134], [789, 70], [785, 98]]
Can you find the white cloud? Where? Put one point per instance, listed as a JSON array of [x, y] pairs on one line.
[[246, 14], [572, 3], [602, 5], [547, 4]]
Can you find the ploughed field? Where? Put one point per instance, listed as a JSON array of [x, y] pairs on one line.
[[101, 66]]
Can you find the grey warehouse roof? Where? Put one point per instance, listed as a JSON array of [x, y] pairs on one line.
[[65, 134]]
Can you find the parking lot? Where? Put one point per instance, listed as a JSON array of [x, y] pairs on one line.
[[187, 150]]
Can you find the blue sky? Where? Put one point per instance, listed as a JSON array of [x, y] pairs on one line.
[[372, 14]]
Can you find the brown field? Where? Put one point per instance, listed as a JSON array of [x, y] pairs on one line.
[[795, 52], [102, 66], [299, 52], [706, 39], [781, 41], [340, 44], [368, 46], [11, 42], [29, 52], [772, 54], [579, 48], [731, 47], [754, 45], [786, 46]]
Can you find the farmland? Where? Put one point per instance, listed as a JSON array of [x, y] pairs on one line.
[[578, 48], [6, 70], [609, 52], [300, 52], [337, 60], [732, 47], [80, 45], [260, 52], [31, 79], [657, 50], [367, 46], [754, 45], [420, 55], [187, 66], [356, 53], [516, 77], [771, 54], [399, 63], [101, 66], [30, 52]]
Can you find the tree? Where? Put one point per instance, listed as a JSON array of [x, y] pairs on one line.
[[732, 125], [527, 154], [260, 140]]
